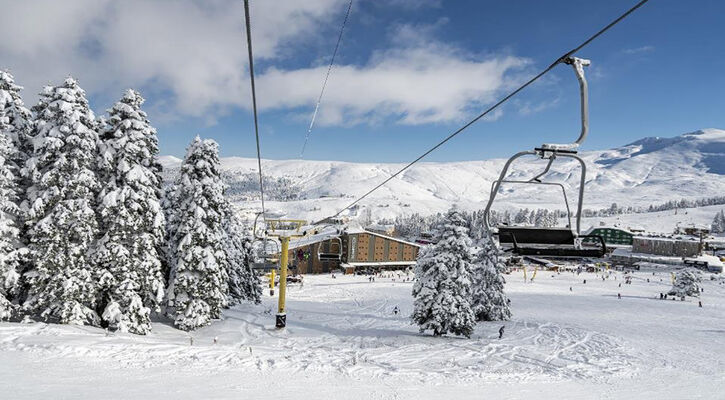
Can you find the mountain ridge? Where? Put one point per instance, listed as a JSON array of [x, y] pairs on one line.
[[647, 171]]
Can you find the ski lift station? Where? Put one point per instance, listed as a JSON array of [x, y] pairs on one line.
[[350, 250]]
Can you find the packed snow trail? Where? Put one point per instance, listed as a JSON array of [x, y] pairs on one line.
[[344, 330]]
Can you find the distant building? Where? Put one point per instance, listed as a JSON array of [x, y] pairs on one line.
[[425, 238], [693, 230], [388, 230], [666, 246], [611, 235], [358, 249]]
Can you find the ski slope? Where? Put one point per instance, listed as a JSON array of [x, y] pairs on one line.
[[660, 221], [343, 341], [648, 171]]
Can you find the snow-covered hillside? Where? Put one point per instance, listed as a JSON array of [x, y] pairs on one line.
[[648, 171]]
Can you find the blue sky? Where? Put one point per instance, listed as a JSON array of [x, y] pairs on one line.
[[408, 72]]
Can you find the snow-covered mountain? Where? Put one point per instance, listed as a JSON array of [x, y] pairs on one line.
[[648, 171]]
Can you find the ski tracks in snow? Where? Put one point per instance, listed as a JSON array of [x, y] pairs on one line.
[[343, 329]]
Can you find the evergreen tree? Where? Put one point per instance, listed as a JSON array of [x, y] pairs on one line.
[[10, 246], [243, 284], [198, 281], [522, 217], [687, 283], [718, 223], [131, 219], [61, 219], [168, 202], [442, 291], [16, 123], [489, 302]]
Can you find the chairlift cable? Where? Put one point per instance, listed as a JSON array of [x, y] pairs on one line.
[[327, 76], [559, 60], [254, 100]]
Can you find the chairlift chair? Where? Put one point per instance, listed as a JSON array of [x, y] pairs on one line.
[[331, 254], [552, 242], [269, 260]]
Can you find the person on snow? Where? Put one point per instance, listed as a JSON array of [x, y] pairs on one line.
[[500, 331], [396, 310]]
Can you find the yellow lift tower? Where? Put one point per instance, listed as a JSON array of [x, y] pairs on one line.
[[283, 230]]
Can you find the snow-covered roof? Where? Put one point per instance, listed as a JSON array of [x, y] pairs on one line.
[[311, 239], [711, 260], [679, 238], [615, 227]]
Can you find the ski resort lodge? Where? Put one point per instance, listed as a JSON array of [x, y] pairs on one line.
[[613, 236], [351, 250]]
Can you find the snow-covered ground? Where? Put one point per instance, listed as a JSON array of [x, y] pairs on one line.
[[343, 341]]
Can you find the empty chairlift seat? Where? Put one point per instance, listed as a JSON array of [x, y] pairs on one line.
[[553, 242], [333, 252]]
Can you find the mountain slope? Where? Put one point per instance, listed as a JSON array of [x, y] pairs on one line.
[[648, 171]]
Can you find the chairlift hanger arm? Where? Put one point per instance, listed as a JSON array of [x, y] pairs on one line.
[[551, 151]]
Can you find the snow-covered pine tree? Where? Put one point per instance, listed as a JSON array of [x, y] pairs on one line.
[[168, 202], [687, 283], [10, 245], [489, 302], [522, 217], [243, 284], [16, 122], [718, 223], [198, 281], [61, 217], [131, 218], [442, 291]]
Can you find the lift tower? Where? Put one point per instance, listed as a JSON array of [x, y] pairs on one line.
[[283, 230]]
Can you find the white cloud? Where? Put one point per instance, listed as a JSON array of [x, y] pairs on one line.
[[194, 49], [528, 108], [421, 84], [193, 53], [639, 50]]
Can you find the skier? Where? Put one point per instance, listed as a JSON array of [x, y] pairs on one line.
[[661, 296], [500, 331], [699, 303], [395, 310], [585, 281], [619, 295], [570, 289]]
